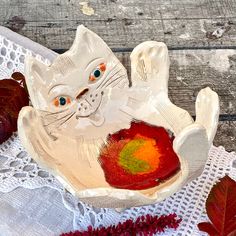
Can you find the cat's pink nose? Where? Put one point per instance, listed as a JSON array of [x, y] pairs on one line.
[[82, 92]]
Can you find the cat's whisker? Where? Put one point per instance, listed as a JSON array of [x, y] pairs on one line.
[[110, 78], [122, 80], [51, 119], [107, 77], [56, 119], [112, 70], [64, 121], [114, 80], [55, 126], [48, 113]]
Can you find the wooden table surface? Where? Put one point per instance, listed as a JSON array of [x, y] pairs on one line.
[[200, 34]]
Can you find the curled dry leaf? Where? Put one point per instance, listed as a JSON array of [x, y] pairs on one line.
[[221, 209], [12, 98], [20, 78]]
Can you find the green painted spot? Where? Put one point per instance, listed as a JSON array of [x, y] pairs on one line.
[[128, 161]]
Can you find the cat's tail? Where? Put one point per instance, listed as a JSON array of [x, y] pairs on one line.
[[150, 65]]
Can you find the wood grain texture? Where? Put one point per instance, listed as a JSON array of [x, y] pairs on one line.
[[124, 24], [226, 135], [192, 70]]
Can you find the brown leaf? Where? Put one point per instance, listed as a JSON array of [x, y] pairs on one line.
[[5, 126], [18, 76]]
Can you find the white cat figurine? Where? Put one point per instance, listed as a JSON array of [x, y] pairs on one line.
[[85, 95]]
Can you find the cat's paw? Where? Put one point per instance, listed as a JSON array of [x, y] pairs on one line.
[[207, 111], [150, 65], [195, 140], [192, 145], [27, 118], [30, 127]]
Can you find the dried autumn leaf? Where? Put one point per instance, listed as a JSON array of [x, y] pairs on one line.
[[18, 76], [221, 209], [5, 126], [12, 98]]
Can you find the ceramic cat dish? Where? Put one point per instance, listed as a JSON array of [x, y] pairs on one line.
[[111, 141]]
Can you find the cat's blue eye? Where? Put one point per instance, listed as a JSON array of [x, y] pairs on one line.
[[97, 73], [62, 101]]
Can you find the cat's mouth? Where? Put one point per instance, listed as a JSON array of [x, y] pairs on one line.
[[89, 106]]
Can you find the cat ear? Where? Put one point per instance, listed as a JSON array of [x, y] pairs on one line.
[[87, 42], [35, 71], [36, 77]]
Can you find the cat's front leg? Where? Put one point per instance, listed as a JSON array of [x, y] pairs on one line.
[[150, 66], [192, 144], [34, 137], [74, 159], [150, 69]]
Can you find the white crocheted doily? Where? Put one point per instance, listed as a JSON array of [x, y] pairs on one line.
[[17, 169]]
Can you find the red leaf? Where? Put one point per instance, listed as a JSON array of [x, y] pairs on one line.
[[232, 233], [12, 98], [208, 228], [221, 209]]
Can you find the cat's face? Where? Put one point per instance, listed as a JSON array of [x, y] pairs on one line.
[[73, 91]]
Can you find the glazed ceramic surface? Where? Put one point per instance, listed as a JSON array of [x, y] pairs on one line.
[[85, 95]]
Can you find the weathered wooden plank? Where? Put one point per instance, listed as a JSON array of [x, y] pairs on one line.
[[226, 135], [124, 24], [127, 34], [195, 69], [50, 10], [192, 70]]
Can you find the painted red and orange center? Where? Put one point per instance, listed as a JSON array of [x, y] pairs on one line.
[[139, 157]]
